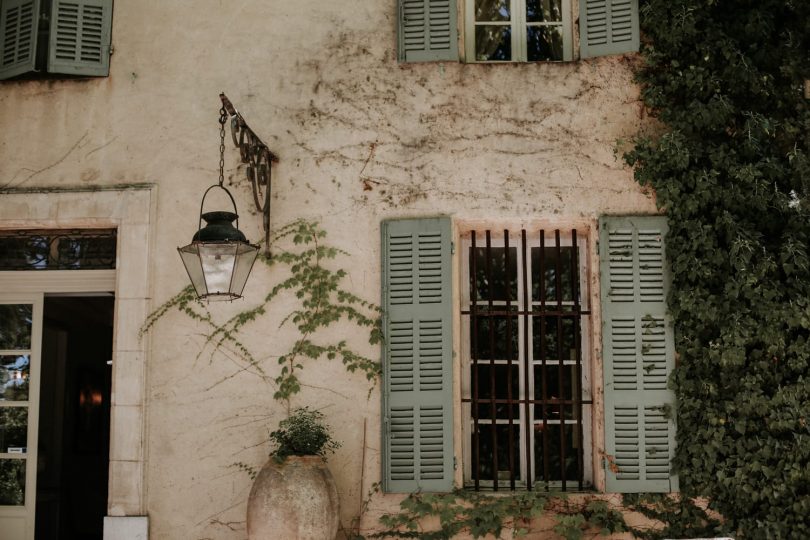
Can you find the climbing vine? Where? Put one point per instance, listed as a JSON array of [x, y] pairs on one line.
[[729, 162], [322, 302]]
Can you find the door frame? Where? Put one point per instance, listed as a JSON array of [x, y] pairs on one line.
[[11, 515], [132, 211]]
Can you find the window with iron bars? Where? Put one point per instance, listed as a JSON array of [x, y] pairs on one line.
[[526, 395]]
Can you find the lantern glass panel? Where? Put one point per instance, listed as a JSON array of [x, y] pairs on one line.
[[245, 257], [218, 264], [191, 260]]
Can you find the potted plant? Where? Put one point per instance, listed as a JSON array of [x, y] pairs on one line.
[[294, 495]]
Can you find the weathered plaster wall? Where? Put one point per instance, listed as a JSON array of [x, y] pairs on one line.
[[361, 138]]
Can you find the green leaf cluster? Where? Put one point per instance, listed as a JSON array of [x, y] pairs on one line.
[[303, 433], [322, 302], [729, 162]]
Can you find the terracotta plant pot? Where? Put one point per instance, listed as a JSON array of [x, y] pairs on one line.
[[293, 500]]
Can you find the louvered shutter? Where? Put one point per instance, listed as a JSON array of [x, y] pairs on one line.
[[608, 27], [638, 353], [417, 359], [427, 31], [18, 27], [80, 37]]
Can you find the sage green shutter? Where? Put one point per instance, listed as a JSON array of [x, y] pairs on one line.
[[18, 28], [80, 37], [418, 354], [608, 27], [639, 355], [427, 31]]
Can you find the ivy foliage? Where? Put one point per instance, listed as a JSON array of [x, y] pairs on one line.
[[730, 164], [443, 516], [322, 302]]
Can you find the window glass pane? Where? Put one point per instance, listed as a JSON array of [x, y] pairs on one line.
[[544, 10], [486, 461], [12, 482], [91, 249], [15, 326], [549, 275], [493, 43], [491, 10], [553, 372], [546, 339], [502, 344], [544, 43], [14, 372], [503, 279], [502, 382], [13, 430], [555, 470]]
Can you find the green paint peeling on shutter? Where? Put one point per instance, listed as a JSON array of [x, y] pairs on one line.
[[19, 20], [80, 37], [608, 27], [417, 437], [639, 355], [427, 31]]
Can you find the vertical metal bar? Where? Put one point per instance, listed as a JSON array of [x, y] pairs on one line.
[[560, 355], [491, 319], [527, 371], [474, 342], [509, 360], [578, 345], [543, 357]]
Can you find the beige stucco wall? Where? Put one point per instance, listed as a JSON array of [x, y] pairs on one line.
[[320, 84]]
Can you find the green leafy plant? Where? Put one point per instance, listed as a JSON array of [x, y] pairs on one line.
[[729, 162], [303, 433], [681, 517], [462, 512], [323, 302]]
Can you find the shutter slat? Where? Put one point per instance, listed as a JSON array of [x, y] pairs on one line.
[[427, 31], [81, 31], [18, 26], [417, 356], [638, 354], [608, 27]]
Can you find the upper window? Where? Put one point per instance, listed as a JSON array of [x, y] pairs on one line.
[[515, 30], [65, 37], [518, 30]]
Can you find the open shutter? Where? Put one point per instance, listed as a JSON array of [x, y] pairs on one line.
[[427, 31], [608, 27], [639, 355], [19, 20], [417, 357], [80, 37]]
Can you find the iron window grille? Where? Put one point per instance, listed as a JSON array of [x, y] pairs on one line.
[[524, 308], [60, 249]]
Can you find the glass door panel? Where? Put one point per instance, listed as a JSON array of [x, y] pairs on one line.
[[20, 339]]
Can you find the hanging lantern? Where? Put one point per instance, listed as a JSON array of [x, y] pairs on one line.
[[219, 258]]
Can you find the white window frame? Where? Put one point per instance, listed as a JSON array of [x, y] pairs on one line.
[[518, 24], [585, 346]]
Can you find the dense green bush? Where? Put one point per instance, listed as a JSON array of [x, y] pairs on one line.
[[730, 164], [303, 433]]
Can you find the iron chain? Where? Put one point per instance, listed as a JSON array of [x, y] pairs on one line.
[[223, 117]]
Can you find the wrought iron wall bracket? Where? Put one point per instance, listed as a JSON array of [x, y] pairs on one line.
[[259, 159]]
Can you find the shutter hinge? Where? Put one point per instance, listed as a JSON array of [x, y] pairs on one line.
[[455, 463], [597, 247], [452, 248], [112, 49]]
